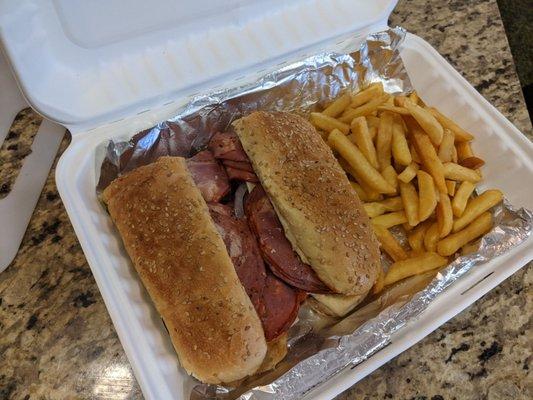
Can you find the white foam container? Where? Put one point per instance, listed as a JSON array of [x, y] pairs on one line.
[[509, 155]]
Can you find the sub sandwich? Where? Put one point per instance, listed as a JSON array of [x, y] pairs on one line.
[[230, 242]]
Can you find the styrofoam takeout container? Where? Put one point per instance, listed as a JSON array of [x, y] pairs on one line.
[[107, 69]]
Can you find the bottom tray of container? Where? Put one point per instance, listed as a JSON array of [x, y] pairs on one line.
[[509, 157]]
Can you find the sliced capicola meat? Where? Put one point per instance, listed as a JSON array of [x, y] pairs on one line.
[[276, 249], [209, 176]]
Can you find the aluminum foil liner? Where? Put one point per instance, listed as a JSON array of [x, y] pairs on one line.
[[319, 347]]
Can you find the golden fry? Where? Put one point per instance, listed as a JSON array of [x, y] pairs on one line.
[[414, 266], [410, 202], [427, 195], [389, 244], [414, 154], [455, 241], [365, 95], [400, 148], [338, 106], [374, 209], [446, 146], [390, 175], [372, 121], [464, 150], [360, 192], [414, 97], [454, 154], [384, 141], [457, 172], [472, 163], [444, 215], [394, 109], [400, 100], [391, 219], [379, 284], [363, 140], [477, 206], [460, 134], [327, 124], [392, 203], [416, 236], [451, 187], [371, 194], [461, 197], [427, 122], [430, 160], [366, 109], [408, 173], [432, 237]]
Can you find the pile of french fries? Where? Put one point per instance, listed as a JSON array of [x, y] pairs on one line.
[[412, 167]]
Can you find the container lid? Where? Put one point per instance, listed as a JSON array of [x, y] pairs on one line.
[[87, 63]]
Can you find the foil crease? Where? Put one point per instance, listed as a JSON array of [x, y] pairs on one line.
[[319, 347]]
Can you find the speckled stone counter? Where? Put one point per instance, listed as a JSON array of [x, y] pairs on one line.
[[57, 340]]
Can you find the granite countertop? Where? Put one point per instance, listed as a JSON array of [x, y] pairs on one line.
[[58, 342]]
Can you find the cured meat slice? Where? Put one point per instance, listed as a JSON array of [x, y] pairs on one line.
[[227, 146], [209, 176], [240, 175], [276, 249], [282, 303], [275, 302], [242, 165]]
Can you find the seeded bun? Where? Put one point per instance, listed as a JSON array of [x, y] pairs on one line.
[[320, 212], [183, 263]]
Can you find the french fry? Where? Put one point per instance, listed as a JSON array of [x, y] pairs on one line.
[[410, 202], [461, 197], [426, 121], [469, 248], [390, 175], [478, 227], [373, 131], [414, 154], [414, 266], [366, 109], [370, 194], [360, 192], [389, 102], [374, 209], [451, 187], [446, 146], [384, 140], [454, 155], [359, 163], [430, 160], [464, 150], [392, 204], [365, 95], [406, 227], [390, 219], [400, 100], [372, 121], [327, 124], [408, 173], [444, 215], [477, 206], [389, 244], [379, 284], [472, 163], [394, 109], [363, 140], [427, 195], [338, 106], [400, 148], [460, 134], [416, 236], [414, 97], [457, 172], [432, 237]]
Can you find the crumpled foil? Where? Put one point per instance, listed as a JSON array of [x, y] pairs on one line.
[[319, 347]]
